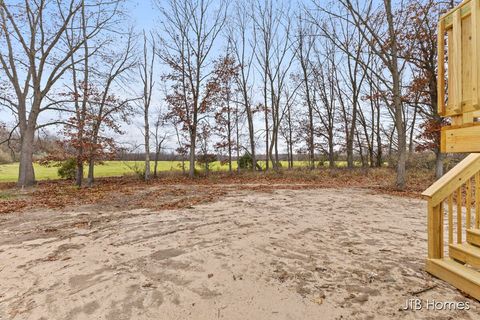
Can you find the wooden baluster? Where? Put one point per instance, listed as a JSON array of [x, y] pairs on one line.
[[440, 230], [459, 215], [450, 219], [477, 200], [468, 204]]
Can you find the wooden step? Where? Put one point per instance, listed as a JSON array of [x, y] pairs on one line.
[[462, 277], [465, 253], [473, 236]]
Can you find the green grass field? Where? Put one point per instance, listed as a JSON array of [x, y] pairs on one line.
[[9, 172]]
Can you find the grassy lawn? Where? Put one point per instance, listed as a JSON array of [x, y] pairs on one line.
[[9, 172]]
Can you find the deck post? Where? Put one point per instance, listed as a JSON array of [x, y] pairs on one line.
[[435, 231]]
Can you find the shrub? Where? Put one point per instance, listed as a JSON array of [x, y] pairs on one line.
[[245, 161], [68, 169], [5, 157], [424, 160], [205, 160]]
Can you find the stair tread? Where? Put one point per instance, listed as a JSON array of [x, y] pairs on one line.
[[464, 271], [474, 230], [469, 248], [473, 236]]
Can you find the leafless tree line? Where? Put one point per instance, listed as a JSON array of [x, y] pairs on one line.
[[244, 77]]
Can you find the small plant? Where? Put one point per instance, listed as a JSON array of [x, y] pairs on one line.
[[68, 169], [138, 169], [6, 196]]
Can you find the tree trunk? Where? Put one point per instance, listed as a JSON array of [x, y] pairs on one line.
[[277, 127], [303, 64], [438, 164], [251, 134], [400, 126], [273, 142], [191, 171], [266, 140], [147, 166], [91, 158], [288, 153], [147, 148], [79, 171], [229, 136], [351, 131], [91, 168], [291, 154], [397, 99], [290, 137], [349, 152], [237, 141], [412, 133], [26, 173], [401, 169], [277, 160], [267, 146], [379, 142], [311, 142], [155, 167], [331, 156], [83, 111], [271, 148], [390, 143], [363, 157]]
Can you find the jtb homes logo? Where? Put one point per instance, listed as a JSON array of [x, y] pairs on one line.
[[418, 304]]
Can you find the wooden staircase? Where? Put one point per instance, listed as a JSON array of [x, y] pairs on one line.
[[459, 188]]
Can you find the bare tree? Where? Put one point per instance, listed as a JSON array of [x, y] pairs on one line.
[[224, 74], [387, 49], [80, 105], [106, 105], [189, 31], [378, 27], [275, 57], [306, 42], [244, 51], [287, 126], [146, 68], [324, 88], [79, 91], [34, 57], [421, 54]]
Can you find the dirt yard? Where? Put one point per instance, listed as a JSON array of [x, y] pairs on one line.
[[278, 254]]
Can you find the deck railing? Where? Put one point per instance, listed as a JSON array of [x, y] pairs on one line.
[[457, 188]]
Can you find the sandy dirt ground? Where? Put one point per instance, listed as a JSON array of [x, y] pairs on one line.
[[284, 254]]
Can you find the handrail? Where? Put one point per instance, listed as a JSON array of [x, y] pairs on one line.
[[453, 179]]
